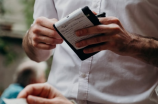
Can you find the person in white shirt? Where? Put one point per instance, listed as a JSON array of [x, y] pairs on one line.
[[125, 71]]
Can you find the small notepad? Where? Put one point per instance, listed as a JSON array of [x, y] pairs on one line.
[[79, 19], [15, 101]]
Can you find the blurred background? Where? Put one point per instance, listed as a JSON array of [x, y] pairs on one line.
[[16, 17]]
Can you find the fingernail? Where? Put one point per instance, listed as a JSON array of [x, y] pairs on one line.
[[85, 51], [79, 33], [60, 40], [31, 99], [78, 44]]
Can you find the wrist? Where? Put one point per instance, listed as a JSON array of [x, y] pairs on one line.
[[144, 49], [134, 46], [29, 49]]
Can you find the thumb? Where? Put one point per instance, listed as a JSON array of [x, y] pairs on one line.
[[94, 13], [38, 100], [54, 19]]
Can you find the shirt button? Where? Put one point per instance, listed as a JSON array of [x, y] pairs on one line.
[[83, 75]]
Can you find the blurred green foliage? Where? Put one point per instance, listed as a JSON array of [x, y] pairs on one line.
[[2, 11], [6, 51], [28, 11]]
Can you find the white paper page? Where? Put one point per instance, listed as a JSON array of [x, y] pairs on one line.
[[15, 101], [75, 21]]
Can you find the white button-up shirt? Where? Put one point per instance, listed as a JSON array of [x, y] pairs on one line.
[[106, 77]]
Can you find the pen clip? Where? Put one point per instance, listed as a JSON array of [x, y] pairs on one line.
[[101, 15]]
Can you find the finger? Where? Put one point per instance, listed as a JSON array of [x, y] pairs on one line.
[[93, 40], [46, 40], [34, 89], [44, 46], [37, 29], [99, 29], [45, 92], [110, 20], [45, 22], [38, 100], [96, 48], [94, 13], [54, 19]]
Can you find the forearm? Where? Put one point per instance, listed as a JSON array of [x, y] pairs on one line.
[[34, 53], [144, 49]]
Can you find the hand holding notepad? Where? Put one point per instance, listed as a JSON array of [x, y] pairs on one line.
[[79, 19]]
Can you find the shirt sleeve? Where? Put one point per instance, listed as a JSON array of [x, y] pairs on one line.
[[44, 8]]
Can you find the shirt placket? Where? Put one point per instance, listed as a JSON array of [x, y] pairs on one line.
[[83, 80], [86, 66], [95, 6]]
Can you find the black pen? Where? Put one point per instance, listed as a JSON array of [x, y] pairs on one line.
[[101, 15]]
